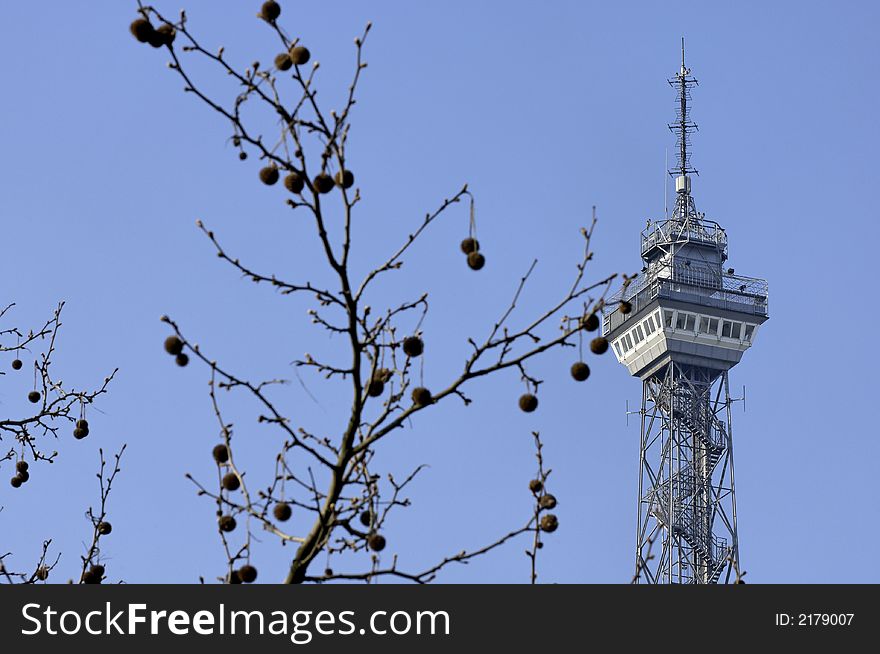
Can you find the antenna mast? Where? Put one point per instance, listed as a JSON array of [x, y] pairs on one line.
[[683, 127]]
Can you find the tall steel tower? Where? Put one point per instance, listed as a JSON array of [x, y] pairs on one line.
[[680, 327]]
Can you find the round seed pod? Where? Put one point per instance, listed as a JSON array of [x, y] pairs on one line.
[[294, 182], [141, 29], [242, 155], [536, 485], [528, 402], [82, 423], [300, 55], [79, 433], [328, 572], [580, 371], [625, 307], [15, 481], [91, 577], [33, 397], [21, 466], [269, 175], [345, 179], [270, 10], [469, 245], [104, 528], [376, 542], [282, 511], [156, 39], [173, 345], [16, 364], [98, 569], [231, 482], [599, 345], [547, 501], [375, 387], [323, 183], [413, 346], [181, 359], [366, 518], [549, 523], [24, 475], [476, 260], [220, 453], [42, 573], [283, 61], [167, 33], [247, 573], [233, 578], [226, 523], [591, 322], [421, 396]]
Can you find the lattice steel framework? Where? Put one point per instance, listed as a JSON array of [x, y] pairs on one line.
[[687, 502]]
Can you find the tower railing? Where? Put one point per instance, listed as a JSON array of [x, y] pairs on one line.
[[677, 231], [736, 293]]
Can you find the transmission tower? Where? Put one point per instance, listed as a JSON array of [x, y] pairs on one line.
[[680, 327]]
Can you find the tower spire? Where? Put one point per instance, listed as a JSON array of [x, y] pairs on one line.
[[683, 127]]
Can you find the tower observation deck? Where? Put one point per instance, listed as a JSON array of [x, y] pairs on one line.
[[690, 320]]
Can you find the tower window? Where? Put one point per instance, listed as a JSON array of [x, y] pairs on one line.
[[627, 343], [667, 314], [691, 322], [750, 329], [638, 334], [617, 349], [680, 320], [649, 325], [658, 318]]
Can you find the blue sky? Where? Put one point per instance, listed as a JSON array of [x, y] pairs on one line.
[[545, 109]]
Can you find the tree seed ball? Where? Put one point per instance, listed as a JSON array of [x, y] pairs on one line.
[[226, 523], [173, 345], [231, 482], [269, 175], [104, 528], [328, 572], [248, 574], [24, 475], [21, 466], [413, 346], [323, 183], [167, 32], [181, 359], [366, 518], [234, 578], [220, 453], [580, 371], [300, 55], [421, 396], [16, 364], [547, 501], [375, 387], [476, 260], [33, 397], [469, 245], [625, 307], [242, 155], [528, 402], [98, 569], [345, 178], [282, 511], [79, 433], [42, 573], [15, 481], [536, 485], [82, 423], [156, 39], [599, 345], [270, 10], [376, 542], [283, 61], [591, 322], [89, 577], [549, 523], [141, 29], [294, 183]]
